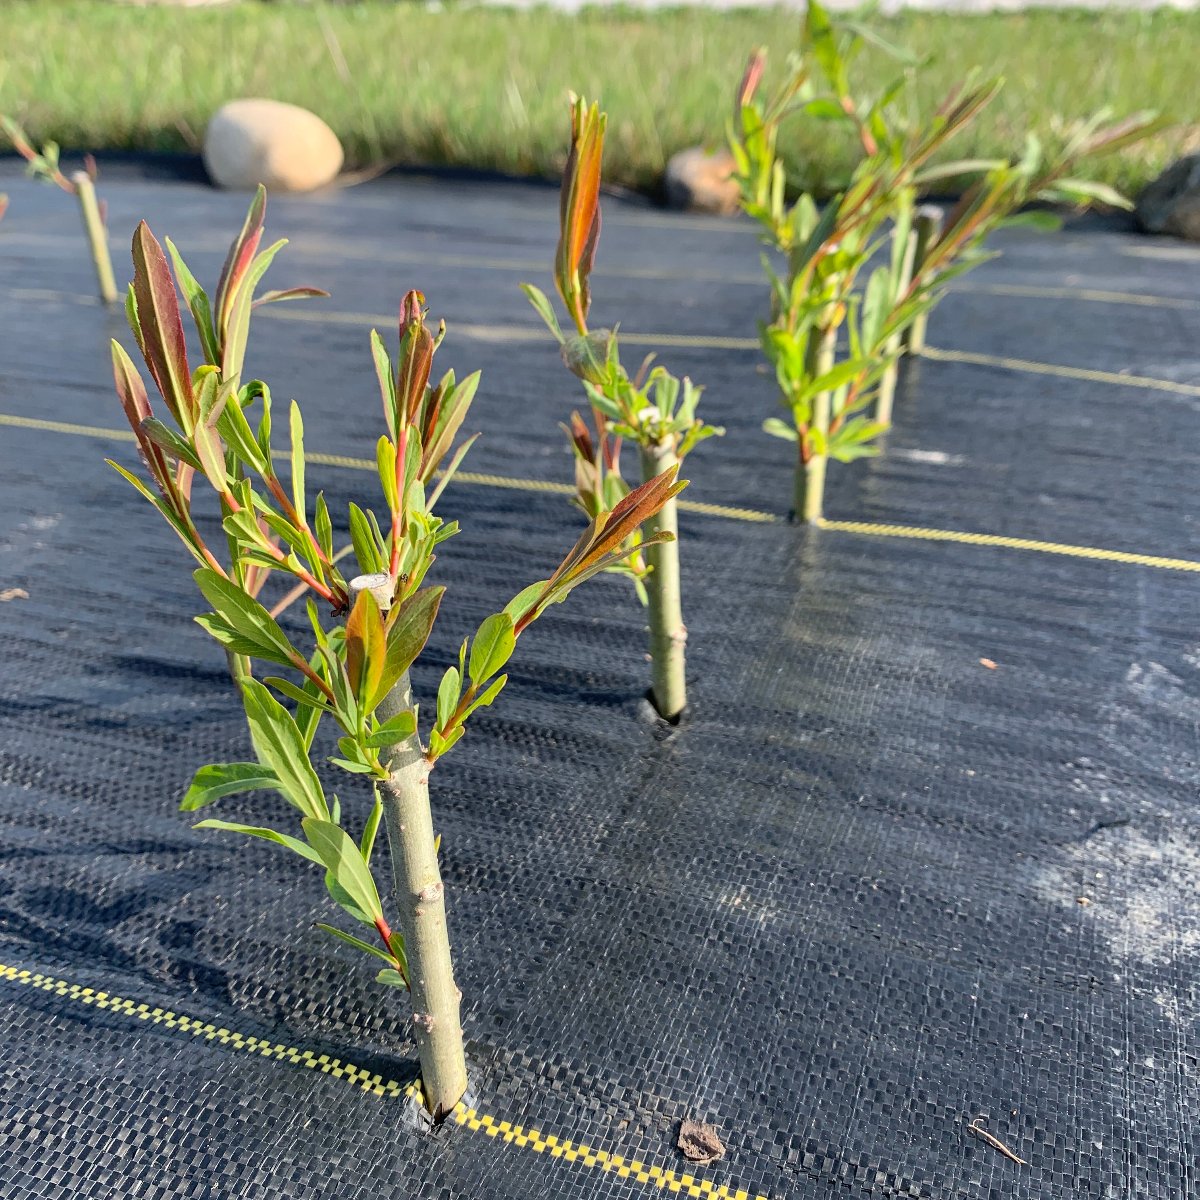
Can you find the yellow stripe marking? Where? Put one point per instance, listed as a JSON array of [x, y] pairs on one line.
[[101, 431], [472, 1118], [532, 333], [366, 464], [504, 333], [1089, 295], [374, 1084], [919, 533], [1040, 368], [915, 532]]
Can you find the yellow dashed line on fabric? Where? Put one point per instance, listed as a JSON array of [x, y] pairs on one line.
[[376, 1085], [118, 435], [1040, 368], [366, 464], [506, 333], [1089, 295], [524, 333], [532, 334], [368, 1081], [914, 532], [588, 1156], [919, 533]]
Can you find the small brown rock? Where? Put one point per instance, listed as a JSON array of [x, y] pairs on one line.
[[1171, 204], [283, 146], [698, 180], [699, 1142]]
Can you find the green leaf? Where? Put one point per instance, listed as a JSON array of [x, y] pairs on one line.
[[371, 828], [323, 526], [544, 310], [392, 732], [247, 617], [164, 436], [825, 109], [408, 634], [391, 977], [264, 424], [357, 943], [226, 779], [387, 381], [239, 303], [1039, 219], [846, 454], [308, 699], [229, 638], [385, 461], [279, 295], [525, 599], [439, 745], [447, 698], [280, 745], [267, 835], [344, 901], [345, 863], [486, 698], [197, 302], [353, 766], [296, 423], [843, 373], [371, 560], [492, 647], [236, 431], [1084, 191], [780, 429]]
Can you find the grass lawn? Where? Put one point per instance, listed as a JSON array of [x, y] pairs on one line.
[[485, 88]]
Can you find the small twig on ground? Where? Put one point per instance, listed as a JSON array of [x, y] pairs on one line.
[[994, 1142]]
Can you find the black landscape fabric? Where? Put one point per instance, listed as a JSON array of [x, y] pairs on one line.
[[873, 888]]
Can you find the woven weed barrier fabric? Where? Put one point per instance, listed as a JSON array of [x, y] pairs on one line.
[[871, 889]]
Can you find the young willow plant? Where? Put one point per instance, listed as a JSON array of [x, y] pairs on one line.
[[81, 185], [654, 409], [832, 280], [354, 673]]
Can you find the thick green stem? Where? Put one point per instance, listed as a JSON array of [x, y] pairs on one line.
[[97, 235], [893, 345], [668, 634], [813, 457], [239, 668], [927, 224], [420, 901], [810, 488]]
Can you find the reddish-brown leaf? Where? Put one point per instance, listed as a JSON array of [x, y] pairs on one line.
[[638, 506], [161, 327], [415, 360], [241, 255], [366, 647]]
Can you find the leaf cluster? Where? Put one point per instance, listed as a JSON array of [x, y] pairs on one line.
[[356, 673], [653, 408], [831, 276], [43, 164]]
